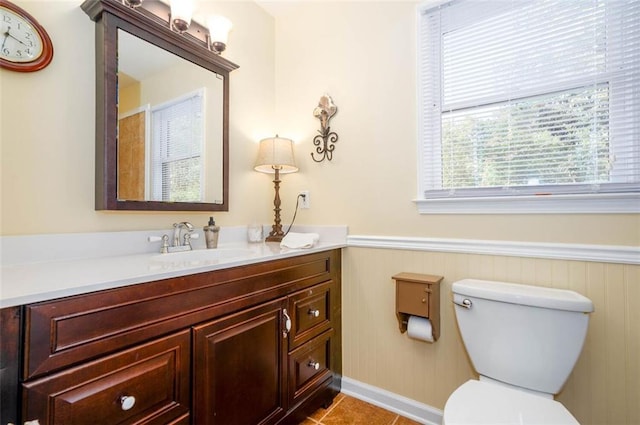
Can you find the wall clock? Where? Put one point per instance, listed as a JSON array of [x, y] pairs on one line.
[[25, 46]]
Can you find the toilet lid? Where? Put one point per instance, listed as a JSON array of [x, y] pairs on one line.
[[477, 402]]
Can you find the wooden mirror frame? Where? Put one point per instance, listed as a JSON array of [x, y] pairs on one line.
[[150, 22]]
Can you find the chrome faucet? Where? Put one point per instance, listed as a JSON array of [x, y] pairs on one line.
[[186, 239]]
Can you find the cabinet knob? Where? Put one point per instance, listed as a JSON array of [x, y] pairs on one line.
[[314, 365], [424, 301], [127, 402], [314, 313]]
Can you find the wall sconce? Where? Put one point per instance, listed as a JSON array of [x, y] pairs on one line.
[[275, 155], [324, 142], [219, 28], [181, 13]]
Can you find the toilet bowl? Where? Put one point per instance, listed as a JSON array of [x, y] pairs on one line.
[[524, 342], [487, 403]]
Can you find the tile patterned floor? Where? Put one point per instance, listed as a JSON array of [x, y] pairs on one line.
[[347, 410]]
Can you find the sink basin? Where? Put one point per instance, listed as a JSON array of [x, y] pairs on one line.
[[203, 256]]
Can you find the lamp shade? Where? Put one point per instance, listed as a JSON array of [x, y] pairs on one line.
[[276, 153], [181, 11], [219, 28]]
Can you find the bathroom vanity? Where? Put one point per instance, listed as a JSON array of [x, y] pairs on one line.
[[255, 343]]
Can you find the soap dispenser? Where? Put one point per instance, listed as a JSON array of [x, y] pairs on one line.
[[211, 234]]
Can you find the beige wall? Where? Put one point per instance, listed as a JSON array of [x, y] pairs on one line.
[[363, 54], [129, 97]]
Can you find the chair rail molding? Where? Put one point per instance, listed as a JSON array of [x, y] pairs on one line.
[[559, 251]]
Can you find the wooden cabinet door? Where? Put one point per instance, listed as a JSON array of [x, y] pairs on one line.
[[240, 367]]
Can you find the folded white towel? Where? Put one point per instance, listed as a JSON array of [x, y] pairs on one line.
[[299, 240]]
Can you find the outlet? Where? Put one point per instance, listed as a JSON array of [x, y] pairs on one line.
[[305, 199]]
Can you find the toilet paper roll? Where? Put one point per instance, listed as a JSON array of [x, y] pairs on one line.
[[420, 328]]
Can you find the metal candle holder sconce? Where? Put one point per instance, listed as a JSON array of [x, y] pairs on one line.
[[325, 141]]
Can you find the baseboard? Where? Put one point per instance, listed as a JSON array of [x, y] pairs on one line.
[[403, 406]]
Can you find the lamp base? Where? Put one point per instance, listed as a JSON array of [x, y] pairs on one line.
[[276, 234], [274, 238]]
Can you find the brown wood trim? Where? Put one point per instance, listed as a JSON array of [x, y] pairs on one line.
[[10, 354], [146, 23]]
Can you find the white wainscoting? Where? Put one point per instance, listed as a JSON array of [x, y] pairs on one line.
[[579, 252]]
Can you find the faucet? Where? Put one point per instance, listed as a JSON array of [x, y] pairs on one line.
[[176, 246], [177, 230]]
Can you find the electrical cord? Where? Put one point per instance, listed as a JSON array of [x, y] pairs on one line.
[[294, 213]]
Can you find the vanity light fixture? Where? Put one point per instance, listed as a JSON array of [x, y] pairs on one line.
[[219, 28], [132, 3], [275, 156], [181, 13]]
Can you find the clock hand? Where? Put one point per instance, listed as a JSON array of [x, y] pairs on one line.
[[4, 40], [15, 38]]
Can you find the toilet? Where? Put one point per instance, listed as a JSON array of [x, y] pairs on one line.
[[524, 342]]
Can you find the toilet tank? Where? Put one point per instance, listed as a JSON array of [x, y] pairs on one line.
[[522, 335]]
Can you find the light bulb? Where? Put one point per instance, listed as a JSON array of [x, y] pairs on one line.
[[181, 12], [219, 28]]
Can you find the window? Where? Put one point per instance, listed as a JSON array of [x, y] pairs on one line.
[[177, 146], [525, 98]]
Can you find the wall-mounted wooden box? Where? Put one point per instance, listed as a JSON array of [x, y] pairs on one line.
[[418, 295]]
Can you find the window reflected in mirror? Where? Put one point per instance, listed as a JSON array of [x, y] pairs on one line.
[[170, 126]]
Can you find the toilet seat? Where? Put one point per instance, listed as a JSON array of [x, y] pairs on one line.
[[476, 402]]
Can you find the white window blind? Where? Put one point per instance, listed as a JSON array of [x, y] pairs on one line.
[[177, 146], [529, 97]]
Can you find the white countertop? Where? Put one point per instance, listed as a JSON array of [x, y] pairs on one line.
[[28, 282]]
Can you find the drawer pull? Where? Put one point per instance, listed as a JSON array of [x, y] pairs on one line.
[[314, 313], [314, 365], [287, 323], [127, 402]]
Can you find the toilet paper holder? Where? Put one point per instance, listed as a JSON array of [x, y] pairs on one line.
[[418, 295]]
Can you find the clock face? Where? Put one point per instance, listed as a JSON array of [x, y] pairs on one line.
[[20, 42], [25, 45]]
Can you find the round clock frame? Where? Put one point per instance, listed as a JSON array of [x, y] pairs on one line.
[[46, 54]]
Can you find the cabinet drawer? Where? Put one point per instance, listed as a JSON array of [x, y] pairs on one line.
[[311, 313], [148, 384], [309, 366]]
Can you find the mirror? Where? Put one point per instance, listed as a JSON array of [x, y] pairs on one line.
[[161, 112], [169, 126]]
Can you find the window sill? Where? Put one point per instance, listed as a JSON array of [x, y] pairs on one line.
[[609, 203]]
